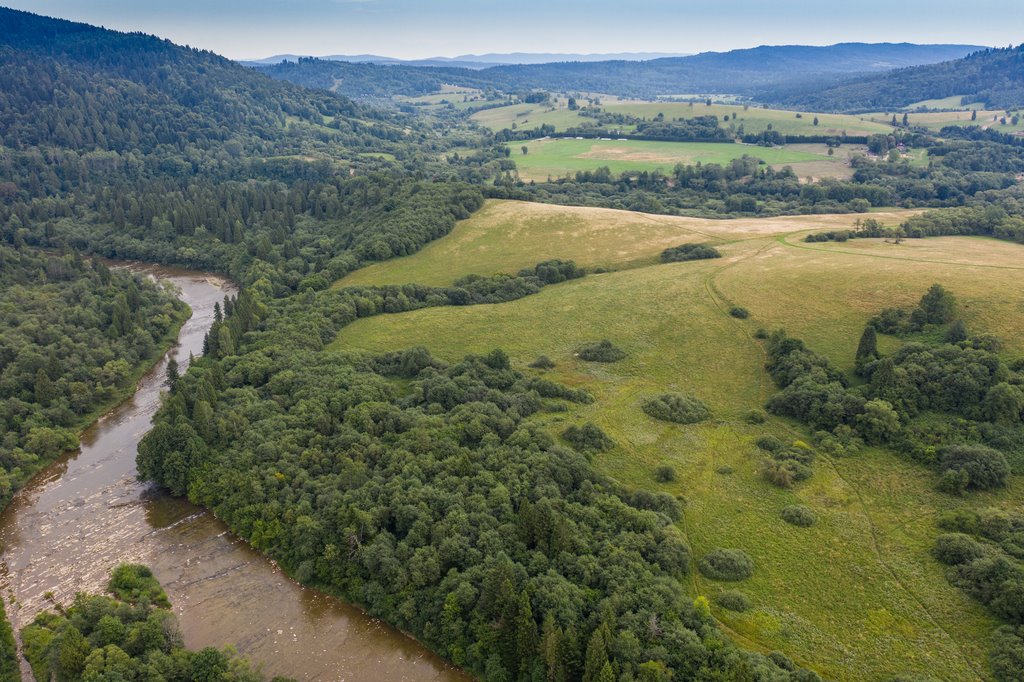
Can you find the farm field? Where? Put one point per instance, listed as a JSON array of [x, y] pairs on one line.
[[857, 596], [555, 157], [528, 116], [448, 94], [754, 119]]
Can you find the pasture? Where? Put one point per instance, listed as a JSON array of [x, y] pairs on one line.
[[856, 596], [556, 157], [593, 237], [936, 120], [753, 119]]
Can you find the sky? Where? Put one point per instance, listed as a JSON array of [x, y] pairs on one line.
[[409, 29]]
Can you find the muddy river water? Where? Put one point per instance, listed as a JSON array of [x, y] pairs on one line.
[[87, 512]]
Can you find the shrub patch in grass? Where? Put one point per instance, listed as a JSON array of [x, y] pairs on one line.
[[733, 600], [602, 351], [726, 564], [678, 408], [799, 515]]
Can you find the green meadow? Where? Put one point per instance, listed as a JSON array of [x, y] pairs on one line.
[[936, 120], [753, 119], [857, 596], [555, 157]]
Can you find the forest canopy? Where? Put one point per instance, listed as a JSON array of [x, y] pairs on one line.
[[73, 337]]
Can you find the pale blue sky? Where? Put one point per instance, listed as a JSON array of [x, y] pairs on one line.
[[426, 28]]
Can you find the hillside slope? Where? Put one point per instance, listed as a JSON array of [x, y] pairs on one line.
[[72, 85], [992, 77]]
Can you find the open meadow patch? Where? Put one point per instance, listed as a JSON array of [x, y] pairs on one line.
[[556, 157], [854, 593], [592, 237]]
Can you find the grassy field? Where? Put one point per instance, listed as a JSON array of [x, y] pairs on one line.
[[753, 119], [857, 596], [593, 237], [756, 119], [936, 120], [528, 116], [952, 102], [460, 97], [555, 157]]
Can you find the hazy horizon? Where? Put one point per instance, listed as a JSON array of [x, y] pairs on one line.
[[407, 29]]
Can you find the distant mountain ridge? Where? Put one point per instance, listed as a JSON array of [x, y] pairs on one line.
[[749, 72], [741, 72], [993, 77], [471, 61]]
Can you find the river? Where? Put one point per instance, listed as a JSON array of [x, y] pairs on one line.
[[86, 513]]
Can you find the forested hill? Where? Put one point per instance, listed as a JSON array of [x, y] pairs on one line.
[[994, 77], [744, 72], [370, 81], [72, 85], [129, 146]]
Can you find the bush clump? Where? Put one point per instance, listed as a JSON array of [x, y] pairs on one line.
[[788, 465], [1007, 654], [664, 474], [588, 438], [551, 389], [733, 600], [954, 549], [769, 443], [686, 252], [135, 584], [726, 564], [542, 362], [678, 408], [799, 515], [974, 467], [739, 312], [554, 271], [602, 351], [755, 417]]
